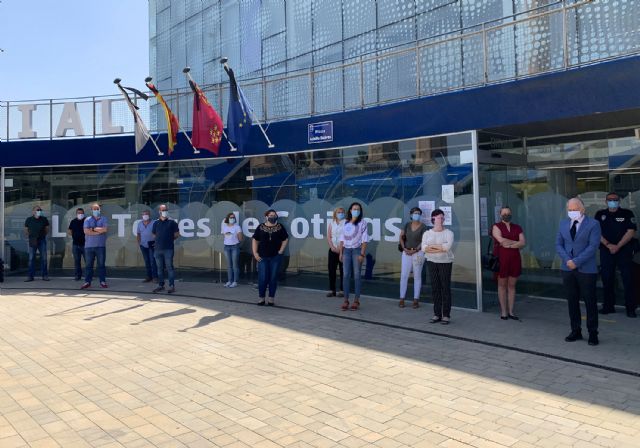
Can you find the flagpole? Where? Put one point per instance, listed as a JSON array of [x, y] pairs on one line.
[[137, 116], [186, 71], [270, 145]]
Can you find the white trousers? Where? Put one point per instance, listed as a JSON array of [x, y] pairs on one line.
[[411, 263]]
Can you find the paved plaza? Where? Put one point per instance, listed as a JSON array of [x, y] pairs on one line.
[[207, 368]]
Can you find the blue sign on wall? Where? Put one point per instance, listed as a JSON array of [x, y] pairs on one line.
[[320, 132]]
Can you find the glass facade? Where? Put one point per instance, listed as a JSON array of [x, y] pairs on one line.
[[387, 179]]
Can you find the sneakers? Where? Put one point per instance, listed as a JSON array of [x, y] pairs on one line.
[[233, 285], [85, 285], [158, 289], [103, 285], [226, 285]]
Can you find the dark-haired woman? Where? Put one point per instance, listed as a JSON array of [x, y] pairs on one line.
[[353, 249], [232, 239], [269, 242], [437, 243], [336, 225], [412, 256], [508, 239]]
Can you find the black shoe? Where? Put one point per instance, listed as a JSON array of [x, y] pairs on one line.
[[607, 311], [30, 279], [261, 303], [271, 304], [76, 279], [574, 336], [513, 317], [158, 289], [593, 339], [45, 279], [504, 317], [631, 313]]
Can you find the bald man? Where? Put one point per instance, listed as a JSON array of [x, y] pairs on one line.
[[577, 241]]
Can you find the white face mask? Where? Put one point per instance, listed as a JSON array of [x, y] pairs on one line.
[[164, 213], [80, 216], [145, 217], [574, 214]]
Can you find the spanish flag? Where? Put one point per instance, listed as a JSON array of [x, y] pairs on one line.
[[172, 120]]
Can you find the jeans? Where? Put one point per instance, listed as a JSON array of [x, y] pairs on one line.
[[164, 258], [99, 254], [268, 275], [42, 248], [232, 253], [149, 261], [351, 265], [78, 255]]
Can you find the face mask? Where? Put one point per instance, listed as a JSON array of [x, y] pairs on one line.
[[355, 213], [416, 216], [272, 219], [506, 218], [613, 204], [38, 212], [340, 216], [574, 215], [80, 216], [95, 213], [164, 213], [145, 217], [232, 220]]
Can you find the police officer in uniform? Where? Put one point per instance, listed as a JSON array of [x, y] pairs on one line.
[[618, 227]]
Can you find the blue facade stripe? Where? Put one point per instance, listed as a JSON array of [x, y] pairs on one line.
[[605, 87]]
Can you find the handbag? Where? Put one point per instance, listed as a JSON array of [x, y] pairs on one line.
[[491, 261]]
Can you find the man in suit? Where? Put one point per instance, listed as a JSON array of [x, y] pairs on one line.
[[577, 240]]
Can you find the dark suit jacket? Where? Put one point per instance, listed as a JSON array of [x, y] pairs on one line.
[[584, 246]]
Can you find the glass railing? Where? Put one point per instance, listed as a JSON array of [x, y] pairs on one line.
[[573, 35]]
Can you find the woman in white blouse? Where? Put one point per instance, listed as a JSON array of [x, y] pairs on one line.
[[336, 225], [232, 239], [436, 244], [353, 249]]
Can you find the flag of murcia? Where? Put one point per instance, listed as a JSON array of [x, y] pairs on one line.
[[207, 124]]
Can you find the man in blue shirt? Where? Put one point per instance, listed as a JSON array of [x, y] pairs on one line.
[[577, 241], [146, 241], [95, 242], [166, 232]]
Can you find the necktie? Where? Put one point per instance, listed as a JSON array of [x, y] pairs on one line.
[[573, 230]]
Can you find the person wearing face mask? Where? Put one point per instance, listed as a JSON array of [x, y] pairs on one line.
[[353, 250], [436, 244], [36, 229], [95, 246], [508, 239], [76, 232], [165, 231], [146, 241], [336, 226], [412, 256], [618, 226], [232, 239], [577, 240], [268, 244]]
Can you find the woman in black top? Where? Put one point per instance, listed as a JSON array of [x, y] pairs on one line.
[[268, 244]]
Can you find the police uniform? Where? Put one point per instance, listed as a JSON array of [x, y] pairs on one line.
[[614, 225]]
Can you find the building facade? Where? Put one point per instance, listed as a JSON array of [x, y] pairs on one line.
[[462, 105]]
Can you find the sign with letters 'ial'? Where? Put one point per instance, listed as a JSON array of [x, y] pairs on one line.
[[320, 132]]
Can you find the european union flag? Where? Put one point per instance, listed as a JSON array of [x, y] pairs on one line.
[[240, 113]]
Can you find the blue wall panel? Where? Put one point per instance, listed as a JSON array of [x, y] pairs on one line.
[[605, 87]]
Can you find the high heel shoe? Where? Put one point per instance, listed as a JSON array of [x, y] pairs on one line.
[[355, 305], [401, 303], [345, 305]]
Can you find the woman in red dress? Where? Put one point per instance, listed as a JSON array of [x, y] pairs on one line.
[[508, 239]]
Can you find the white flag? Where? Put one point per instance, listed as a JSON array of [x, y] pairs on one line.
[[141, 131]]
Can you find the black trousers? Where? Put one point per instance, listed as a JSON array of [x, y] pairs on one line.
[[334, 262], [581, 286], [440, 274], [623, 261]]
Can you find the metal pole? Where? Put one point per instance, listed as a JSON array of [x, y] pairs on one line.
[[312, 100], [485, 55], [476, 218], [8, 109], [93, 107], [418, 86], [361, 83], [565, 37], [2, 174], [50, 119]]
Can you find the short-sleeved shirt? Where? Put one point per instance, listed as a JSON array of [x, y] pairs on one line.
[[413, 239], [615, 224], [354, 235], [146, 232], [230, 232], [36, 226], [77, 231], [270, 239], [164, 230], [95, 240]]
